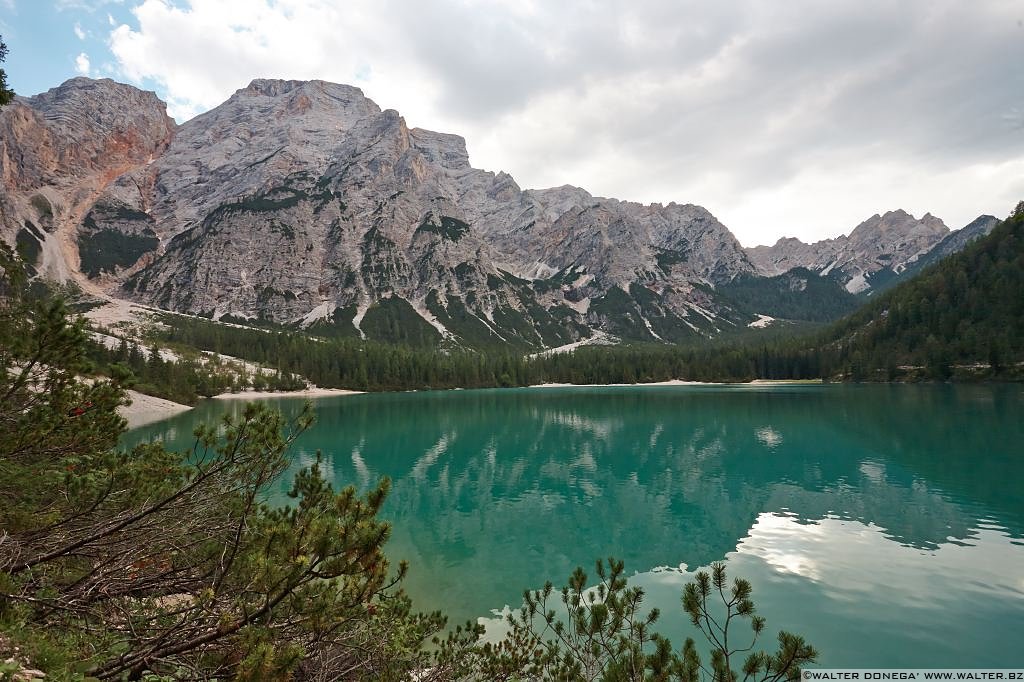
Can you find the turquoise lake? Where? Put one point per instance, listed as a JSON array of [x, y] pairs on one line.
[[883, 523]]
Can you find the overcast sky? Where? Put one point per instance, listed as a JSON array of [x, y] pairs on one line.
[[783, 117]]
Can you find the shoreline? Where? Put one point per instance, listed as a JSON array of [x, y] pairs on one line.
[[684, 382], [145, 409], [770, 382], [669, 382], [304, 393]]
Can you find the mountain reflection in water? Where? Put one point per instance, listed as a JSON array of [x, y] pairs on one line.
[[881, 521]]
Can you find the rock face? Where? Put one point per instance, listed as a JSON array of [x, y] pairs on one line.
[[954, 242], [301, 202], [879, 252], [60, 150]]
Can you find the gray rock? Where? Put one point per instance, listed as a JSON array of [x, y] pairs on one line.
[[302, 202], [879, 248]]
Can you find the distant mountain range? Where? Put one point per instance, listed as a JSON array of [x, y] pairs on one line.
[[302, 203], [879, 252], [962, 317]]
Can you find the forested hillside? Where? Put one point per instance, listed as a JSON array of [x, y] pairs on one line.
[[159, 565], [797, 294], [961, 318], [968, 309], [370, 366]]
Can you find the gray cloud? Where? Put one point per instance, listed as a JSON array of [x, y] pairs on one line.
[[806, 115]]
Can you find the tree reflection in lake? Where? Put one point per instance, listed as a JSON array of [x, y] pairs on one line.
[[497, 491]]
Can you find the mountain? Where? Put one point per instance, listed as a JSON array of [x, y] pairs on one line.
[[58, 153], [797, 294], [302, 202], [880, 251], [966, 310], [953, 243]]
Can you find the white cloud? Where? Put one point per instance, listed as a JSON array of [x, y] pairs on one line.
[[990, 188], [79, 32], [83, 5], [82, 64], [798, 119]]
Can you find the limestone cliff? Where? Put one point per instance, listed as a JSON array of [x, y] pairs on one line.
[[302, 202], [876, 251]]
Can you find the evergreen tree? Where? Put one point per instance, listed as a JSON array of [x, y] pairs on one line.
[[6, 94], [116, 564], [605, 635]]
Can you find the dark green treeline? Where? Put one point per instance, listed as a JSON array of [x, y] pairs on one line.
[[967, 309], [372, 366], [961, 318]]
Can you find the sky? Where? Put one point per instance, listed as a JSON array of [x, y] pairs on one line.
[[797, 118]]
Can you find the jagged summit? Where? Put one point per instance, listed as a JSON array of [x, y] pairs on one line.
[[340, 93], [875, 253], [302, 202], [896, 220]]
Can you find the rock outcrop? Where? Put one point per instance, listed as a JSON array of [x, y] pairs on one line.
[[880, 251], [954, 242], [302, 202], [60, 150]]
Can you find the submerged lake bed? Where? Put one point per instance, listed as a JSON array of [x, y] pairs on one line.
[[885, 523]]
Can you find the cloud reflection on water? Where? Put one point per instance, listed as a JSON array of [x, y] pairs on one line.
[[495, 491], [859, 597]]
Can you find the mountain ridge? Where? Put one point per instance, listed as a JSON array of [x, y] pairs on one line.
[[879, 251], [964, 314], [305, 203]]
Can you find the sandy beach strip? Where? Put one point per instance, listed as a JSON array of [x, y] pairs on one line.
[[683, 382], [146, 409], [670, 382], [304, 393], [782, 382]]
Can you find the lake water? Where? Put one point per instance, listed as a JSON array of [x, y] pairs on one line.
[[884, 523]]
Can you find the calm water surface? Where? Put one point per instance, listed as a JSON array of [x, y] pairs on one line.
[[885, 523]]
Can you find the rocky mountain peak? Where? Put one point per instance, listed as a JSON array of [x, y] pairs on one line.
[[783, 242], [879, 249], [302, 202], [99, 124], [444, 149], [559, 200], [83, 131], [311, 105], [272, 87], [83, 107], [899, 233], [100, 91], [333, 94], [60, 149]]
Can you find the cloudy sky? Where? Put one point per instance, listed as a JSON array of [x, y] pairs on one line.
[[784, 118]]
